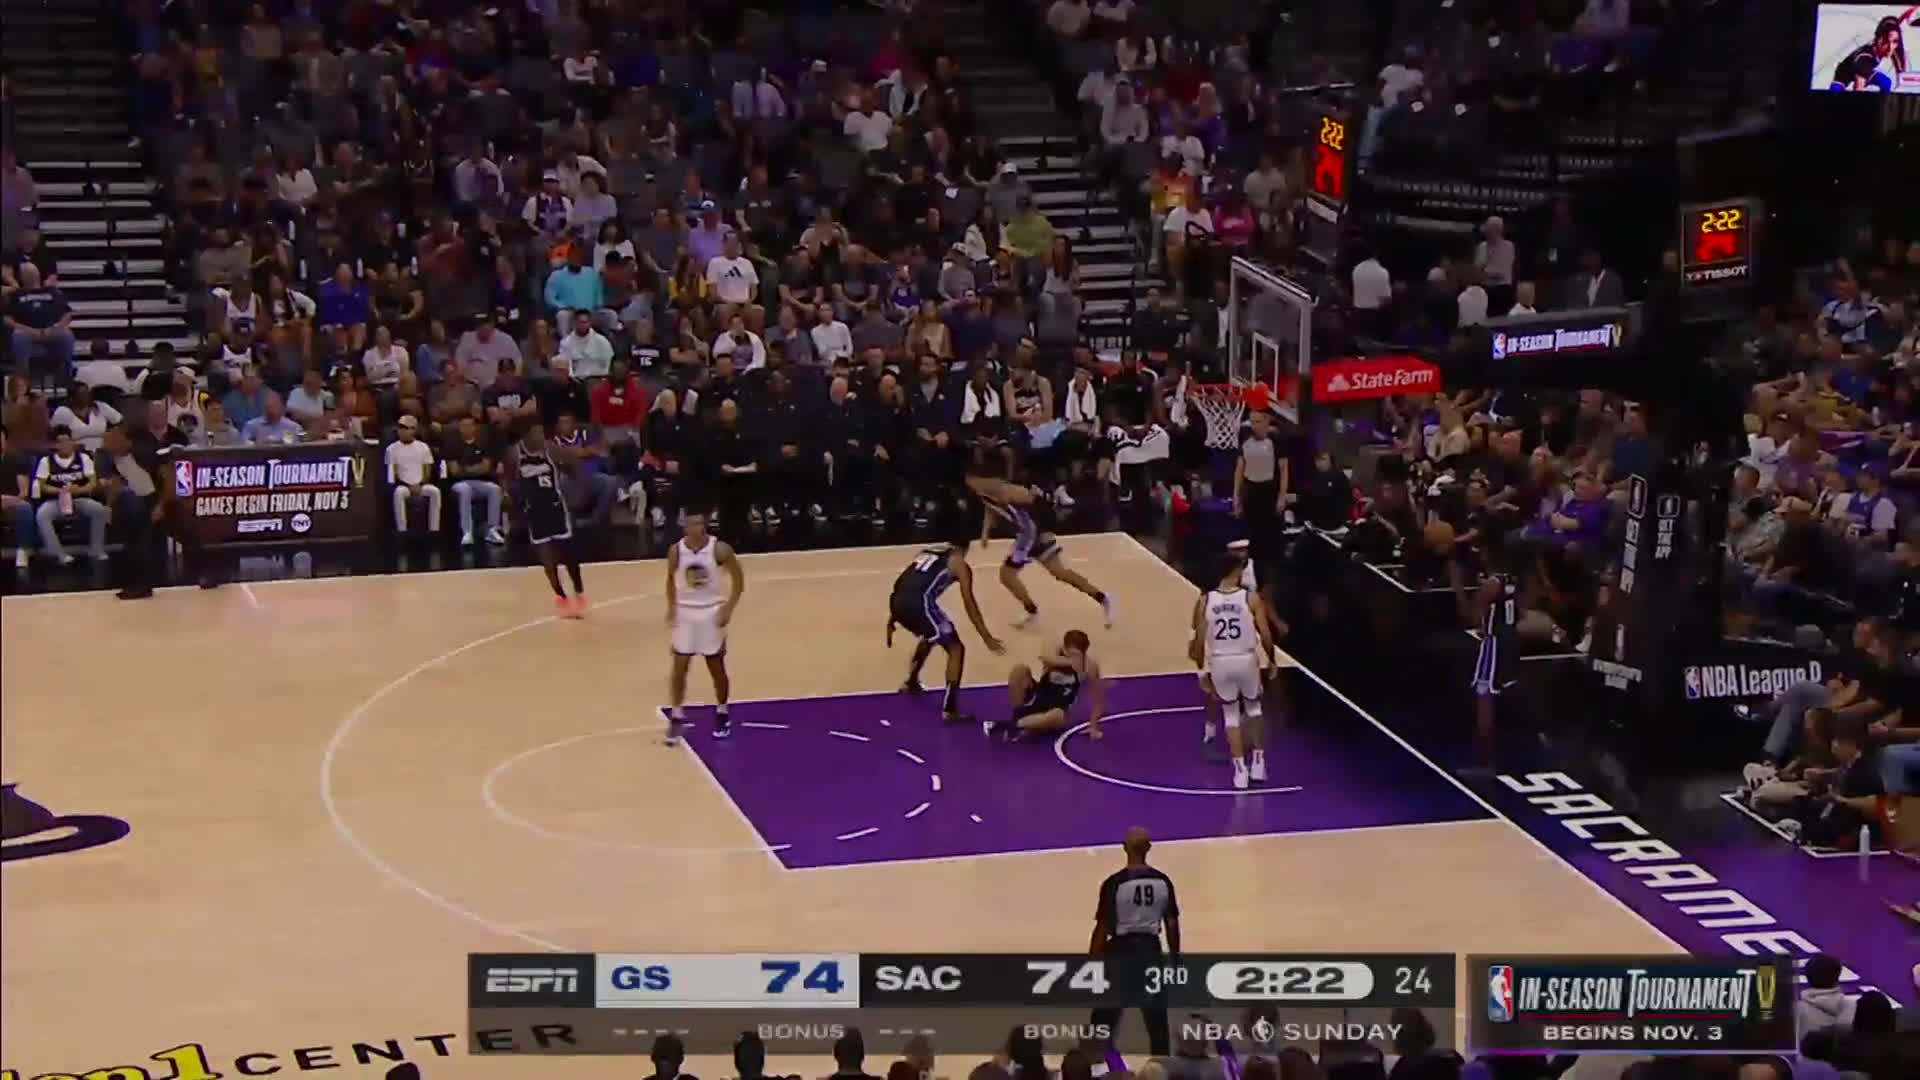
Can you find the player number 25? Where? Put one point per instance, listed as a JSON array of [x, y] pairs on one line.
[[824, 977], [1090, 976]]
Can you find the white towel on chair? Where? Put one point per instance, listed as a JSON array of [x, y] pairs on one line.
[[975, 402], [1082, 407], [1153, 445]]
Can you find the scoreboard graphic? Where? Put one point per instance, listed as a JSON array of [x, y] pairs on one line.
[[1653, 1004], [799, 1003]]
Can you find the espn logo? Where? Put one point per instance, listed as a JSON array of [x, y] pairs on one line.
[[258, 525], [530, 980]]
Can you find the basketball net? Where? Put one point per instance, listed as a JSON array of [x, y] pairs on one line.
[[1224, 406]]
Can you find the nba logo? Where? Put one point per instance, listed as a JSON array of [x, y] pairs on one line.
[[1499, 346], [1500, 993], [1692, 679], [183, 480]]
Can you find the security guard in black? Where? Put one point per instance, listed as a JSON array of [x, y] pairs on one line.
[[1136, 904]]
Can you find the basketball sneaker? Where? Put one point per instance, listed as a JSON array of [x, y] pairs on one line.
[[676, 724], [1240, 777], [722, 724], [580, 605], [1257, 768], [563, 607]]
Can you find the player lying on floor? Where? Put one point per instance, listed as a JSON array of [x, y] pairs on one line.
[[1043, 701]]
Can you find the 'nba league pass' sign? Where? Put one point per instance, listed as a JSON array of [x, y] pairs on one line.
[[1648, 1004]]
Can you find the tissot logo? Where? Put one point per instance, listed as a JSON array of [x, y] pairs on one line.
[[1717, 274]]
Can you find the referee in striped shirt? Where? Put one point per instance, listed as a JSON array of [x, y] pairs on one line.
[[1136, 901]]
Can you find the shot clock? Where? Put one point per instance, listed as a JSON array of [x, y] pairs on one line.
[[1328, 178], [1717, 243]]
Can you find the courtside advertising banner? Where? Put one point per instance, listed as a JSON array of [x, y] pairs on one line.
[[1357, 379], [279, 493], [1570, 334], [1866, 49], [1748, 669]]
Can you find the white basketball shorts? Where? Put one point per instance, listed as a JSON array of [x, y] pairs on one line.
[[1235, 677], [697, 632]]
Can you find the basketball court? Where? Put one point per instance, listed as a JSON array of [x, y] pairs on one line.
[[338, 788]]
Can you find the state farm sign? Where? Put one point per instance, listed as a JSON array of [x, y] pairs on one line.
[[1377, 377]]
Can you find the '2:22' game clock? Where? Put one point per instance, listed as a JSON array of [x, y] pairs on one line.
[[1717, 243], [1328, 182]]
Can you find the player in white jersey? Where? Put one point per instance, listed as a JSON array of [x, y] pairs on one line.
[[1230, 633], [699, 609], [1240, 551]]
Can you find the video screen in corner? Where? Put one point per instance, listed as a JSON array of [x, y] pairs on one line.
[[1867, 48]]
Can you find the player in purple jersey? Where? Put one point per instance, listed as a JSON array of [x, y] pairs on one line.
[[1013, 504]]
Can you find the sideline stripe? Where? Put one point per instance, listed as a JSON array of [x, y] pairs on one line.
[[1616, 901]]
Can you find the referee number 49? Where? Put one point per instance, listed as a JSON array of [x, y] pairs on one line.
[[1089, 976], [823, 976]]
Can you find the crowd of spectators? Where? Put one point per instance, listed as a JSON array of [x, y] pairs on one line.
[[1823, 542], [768, 264], [1203, 151], [1469, 79]]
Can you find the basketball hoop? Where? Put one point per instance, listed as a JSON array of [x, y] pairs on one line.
[[1224, 405]]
